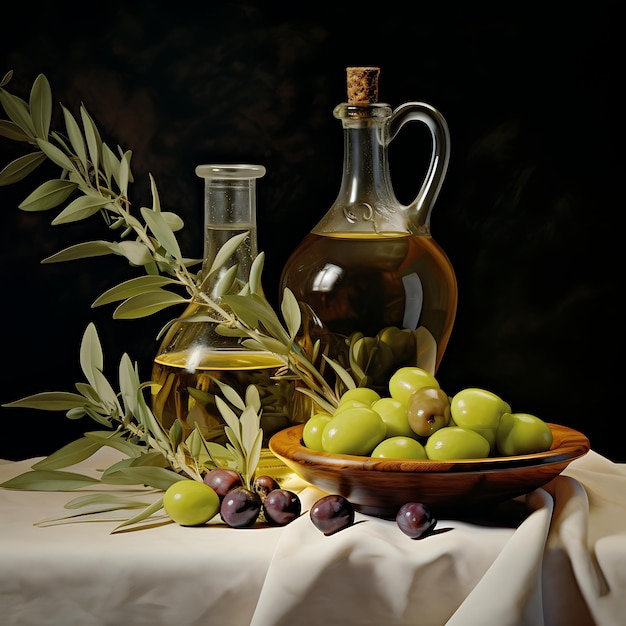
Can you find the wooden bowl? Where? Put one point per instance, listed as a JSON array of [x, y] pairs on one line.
[[380, 487]]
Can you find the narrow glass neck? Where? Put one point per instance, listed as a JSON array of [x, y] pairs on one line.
[[229, 211], [366, 202], [365, 177]]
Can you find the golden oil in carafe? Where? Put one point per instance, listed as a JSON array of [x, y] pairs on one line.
[[358, 282], [188, 394]]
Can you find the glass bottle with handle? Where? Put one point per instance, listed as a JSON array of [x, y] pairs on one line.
[[370, 269]]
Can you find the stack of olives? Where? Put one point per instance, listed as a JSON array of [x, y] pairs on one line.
[[418, 420], [194, 503]]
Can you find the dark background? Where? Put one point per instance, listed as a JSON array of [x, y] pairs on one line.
[[528, 213]]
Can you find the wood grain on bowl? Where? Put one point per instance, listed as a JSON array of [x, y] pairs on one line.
[[381, 486]]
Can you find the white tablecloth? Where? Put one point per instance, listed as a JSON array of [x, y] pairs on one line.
[[557, 557]]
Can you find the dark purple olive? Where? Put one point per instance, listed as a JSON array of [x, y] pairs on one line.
[[240, 507], [264, 484], [332, 513], [222, 480], [415, 519], [281, 507]]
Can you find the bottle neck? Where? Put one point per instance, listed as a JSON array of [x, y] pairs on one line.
[[229, 213], [366, 201]]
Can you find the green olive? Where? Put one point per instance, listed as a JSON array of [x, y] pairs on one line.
[[394, 415], [399, 448], [313, 429], [364, 395], [190, 502], [521, 433], [402, 343], [354, 431], [453, 442], [406, 380]]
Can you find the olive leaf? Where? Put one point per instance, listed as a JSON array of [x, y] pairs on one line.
[[49, 401], [291, 312], [227, 250], [41, 105], [132, 287], [48, 195], [70, 454], [18, 112], [49, 480], [118, 441], [110, 500], [11, 130], [21, 167], [55, 154], [147, 303], [76, 137], [145, 514], [124, 176], [157, 477], [80, 209], [256, 271], [94, 142], [163, 233]]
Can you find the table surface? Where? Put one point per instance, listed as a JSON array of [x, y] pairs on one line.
[[556, 556]]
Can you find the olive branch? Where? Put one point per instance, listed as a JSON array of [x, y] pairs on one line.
[[95, 179]]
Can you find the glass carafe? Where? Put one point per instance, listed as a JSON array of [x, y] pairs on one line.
[[370, 269], [192, 353]]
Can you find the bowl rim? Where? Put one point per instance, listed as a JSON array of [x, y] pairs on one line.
[[567, 445]]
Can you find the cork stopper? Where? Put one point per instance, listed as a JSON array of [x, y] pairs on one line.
[[362, 85]]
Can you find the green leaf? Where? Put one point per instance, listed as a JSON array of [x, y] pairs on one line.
[[136, 252], [49, 401], [156, 200], [132, 287], [56, 155], [76, 137], [21, 167], [162, 231], [253, 398], [147, 512], [157, 477], [48, 195], [255, 312], [341, 372], [230, 394], [124, 173], [70, 454], [117, 442], [18, 112], [82, 251], [111, 164], [229, 416], [176, 223], [11, 130], [291, 312], [226, 281], [111, 501], [41, 106], [256, 271], [129, 384], [227, 250], [91, 355], [146, 304], [250, 427], [49, 480], [176, 434], [80, 209], [94, 142], [267, 343]]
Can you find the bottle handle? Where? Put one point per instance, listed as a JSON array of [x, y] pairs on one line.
[[422, 205]]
